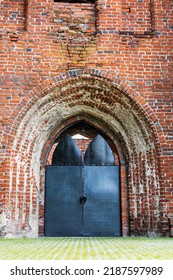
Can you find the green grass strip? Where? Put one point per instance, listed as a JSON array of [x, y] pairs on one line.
[[87, 248]]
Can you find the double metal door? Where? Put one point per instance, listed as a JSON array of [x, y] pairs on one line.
[[82, 199]]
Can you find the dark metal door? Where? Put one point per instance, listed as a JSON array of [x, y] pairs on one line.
[[63, 212], [82, 199], [102, 209]]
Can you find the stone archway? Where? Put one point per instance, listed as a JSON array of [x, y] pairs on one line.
[[107, 104], [99, 127]]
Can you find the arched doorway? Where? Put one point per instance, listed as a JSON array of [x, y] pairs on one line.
[[82, 195], [110, 106]]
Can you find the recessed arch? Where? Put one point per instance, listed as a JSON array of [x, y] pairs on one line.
[[101, 127], [107, 103]]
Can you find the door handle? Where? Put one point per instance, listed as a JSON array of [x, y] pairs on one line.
[[83, 199]]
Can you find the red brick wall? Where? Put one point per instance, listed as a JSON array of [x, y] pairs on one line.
[[136, 16], [108, 63]]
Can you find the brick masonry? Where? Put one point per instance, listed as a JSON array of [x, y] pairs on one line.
[[107, 63]]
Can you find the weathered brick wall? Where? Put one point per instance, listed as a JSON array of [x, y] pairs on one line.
[[136, 16], [108, 63]]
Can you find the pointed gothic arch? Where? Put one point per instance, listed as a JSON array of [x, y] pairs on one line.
[[111, 106]]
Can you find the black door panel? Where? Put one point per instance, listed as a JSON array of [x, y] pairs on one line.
[[82, 199]]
